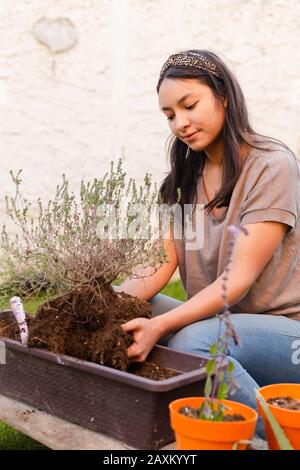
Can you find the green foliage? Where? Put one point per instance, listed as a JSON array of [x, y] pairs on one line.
[[282, 440], [11, 439], [175, 289]]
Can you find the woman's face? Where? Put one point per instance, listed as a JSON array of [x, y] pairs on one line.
[[194, 115]]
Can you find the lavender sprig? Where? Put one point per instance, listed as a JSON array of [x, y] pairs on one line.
[[217, 388]]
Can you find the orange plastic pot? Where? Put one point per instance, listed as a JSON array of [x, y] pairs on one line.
[[289, 420], [197, 434]]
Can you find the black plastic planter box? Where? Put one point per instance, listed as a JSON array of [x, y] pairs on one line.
[[122, 405]]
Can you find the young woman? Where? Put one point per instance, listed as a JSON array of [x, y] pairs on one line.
[[244, 179]]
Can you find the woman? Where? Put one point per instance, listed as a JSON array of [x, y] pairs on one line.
[[244, 179]]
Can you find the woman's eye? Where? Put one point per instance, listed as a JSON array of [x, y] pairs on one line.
[[170, 118], [191, 107]]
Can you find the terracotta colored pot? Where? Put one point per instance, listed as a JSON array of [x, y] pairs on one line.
[[198, 434], [289, 420]]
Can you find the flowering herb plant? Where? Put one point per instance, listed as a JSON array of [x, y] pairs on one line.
[[220, 381], [99, 233]]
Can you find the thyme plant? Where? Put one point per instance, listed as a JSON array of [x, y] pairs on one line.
[[75, 239]]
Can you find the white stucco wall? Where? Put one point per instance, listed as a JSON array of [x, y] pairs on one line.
[[74, 112]]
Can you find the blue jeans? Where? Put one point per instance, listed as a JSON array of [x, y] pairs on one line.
[[267, 355]]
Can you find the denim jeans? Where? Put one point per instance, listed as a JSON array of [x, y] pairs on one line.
[[270, 350]]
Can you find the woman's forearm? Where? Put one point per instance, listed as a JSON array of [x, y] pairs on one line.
[[143, 288], [206, 303], [147, 283]]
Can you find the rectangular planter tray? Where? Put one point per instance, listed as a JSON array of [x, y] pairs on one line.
[[122, 405]]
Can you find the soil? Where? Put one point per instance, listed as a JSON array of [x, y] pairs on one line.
[[285, 402], [152, 371], [86, 324], [194, 413]]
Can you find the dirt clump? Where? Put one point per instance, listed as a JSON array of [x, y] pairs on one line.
[[86, 324], [289, 403], [192, 412]]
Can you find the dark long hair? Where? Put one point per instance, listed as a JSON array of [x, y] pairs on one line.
[[187, 166]]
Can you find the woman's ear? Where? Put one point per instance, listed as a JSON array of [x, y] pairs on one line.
[[225, 102]]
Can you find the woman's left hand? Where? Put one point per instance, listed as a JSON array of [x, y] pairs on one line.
[[145, 334]]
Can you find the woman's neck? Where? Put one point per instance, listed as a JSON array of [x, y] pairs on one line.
[[214, 154]]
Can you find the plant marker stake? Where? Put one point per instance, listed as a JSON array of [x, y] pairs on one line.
[[19, 314]]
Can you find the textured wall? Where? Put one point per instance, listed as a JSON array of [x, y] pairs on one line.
[[75, 111]]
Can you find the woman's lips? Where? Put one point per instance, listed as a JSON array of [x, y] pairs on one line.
[[191, 136]]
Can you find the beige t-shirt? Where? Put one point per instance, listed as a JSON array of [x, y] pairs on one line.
[[268, 189]]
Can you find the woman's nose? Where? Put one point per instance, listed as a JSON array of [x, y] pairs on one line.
[[181, 123]]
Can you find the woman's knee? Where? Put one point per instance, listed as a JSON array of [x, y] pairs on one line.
[[196, 338], [161, 303]]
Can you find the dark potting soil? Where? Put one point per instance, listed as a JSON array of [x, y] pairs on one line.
[[86, 324], [285, 402], [194, 413], [152, 371]]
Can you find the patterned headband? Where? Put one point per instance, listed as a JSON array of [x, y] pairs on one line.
[[191, 59]]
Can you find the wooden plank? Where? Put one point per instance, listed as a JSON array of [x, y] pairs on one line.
[[54, 432], [58, 434]]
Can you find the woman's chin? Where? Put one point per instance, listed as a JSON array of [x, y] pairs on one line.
[[197, 147]]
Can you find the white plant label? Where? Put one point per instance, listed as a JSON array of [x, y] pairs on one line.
[[19, 313]]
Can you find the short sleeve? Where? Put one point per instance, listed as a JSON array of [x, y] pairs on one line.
[[273, 190]]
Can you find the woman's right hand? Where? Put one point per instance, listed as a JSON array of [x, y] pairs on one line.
[[146, 332]]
